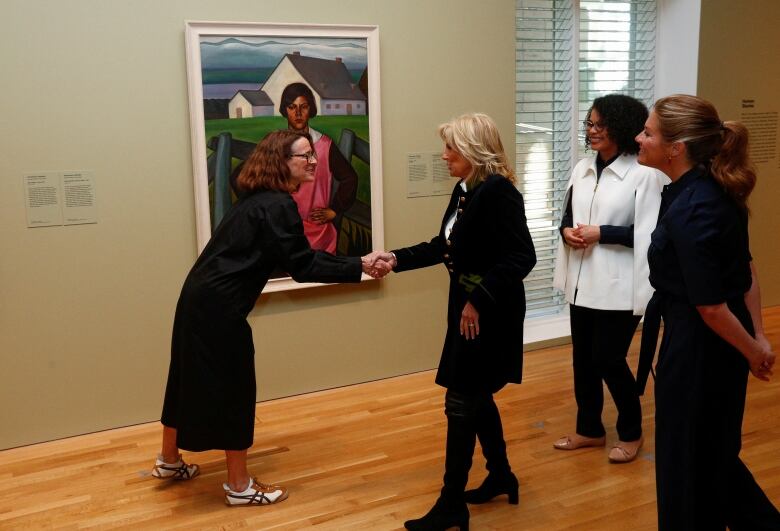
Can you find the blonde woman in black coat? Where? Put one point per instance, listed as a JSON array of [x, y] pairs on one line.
[[485, 245]]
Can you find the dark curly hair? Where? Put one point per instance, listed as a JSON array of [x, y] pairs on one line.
[[624, 117]]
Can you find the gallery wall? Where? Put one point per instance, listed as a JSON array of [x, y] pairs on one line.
[[86, 310], [739, 72]]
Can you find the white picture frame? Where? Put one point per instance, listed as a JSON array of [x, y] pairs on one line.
[[223, 56]]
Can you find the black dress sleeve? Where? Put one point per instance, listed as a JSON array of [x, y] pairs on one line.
[[567, 220], [421, 255], [430, 253], [517, 256], [617, 234], [698, 243], [295, 255]]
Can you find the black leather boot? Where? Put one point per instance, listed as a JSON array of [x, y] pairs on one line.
[[495, 485], [443, 515], [450, 509], [500, 479]]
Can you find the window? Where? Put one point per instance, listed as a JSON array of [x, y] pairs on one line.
[[559, 71]]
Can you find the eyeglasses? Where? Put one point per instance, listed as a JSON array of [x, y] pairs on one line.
[[596, 126], [311, 156]]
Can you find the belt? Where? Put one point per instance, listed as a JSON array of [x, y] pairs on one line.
[[650, 329]]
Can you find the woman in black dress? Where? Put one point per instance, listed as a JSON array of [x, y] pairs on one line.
[[210, 397], [485, 244], [708, 295]]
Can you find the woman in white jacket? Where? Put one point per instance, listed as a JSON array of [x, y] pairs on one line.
[[611, 208]]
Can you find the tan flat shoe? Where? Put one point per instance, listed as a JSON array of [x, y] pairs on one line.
[[573, 442], [625, 452]]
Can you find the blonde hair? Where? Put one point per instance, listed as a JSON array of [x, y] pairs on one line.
[[722, 147], [475, 136]]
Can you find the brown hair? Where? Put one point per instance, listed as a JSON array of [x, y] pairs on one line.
[[475, 137], [720, 146], [266, 168]]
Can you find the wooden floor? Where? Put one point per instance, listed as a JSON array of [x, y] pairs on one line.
[[369, 457]]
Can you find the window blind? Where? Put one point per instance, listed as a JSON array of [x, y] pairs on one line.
[[569, 52]]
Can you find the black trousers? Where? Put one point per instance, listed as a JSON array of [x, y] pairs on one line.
[[600, 342], [470, 416]]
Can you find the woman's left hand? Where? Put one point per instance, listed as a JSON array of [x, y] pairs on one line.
[[590, 233], [322, 215], [469, 322], [761, 360]]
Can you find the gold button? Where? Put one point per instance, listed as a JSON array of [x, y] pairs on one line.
[[462, 199], [450, 270], [449, 243], [446, 255], [460, 211]]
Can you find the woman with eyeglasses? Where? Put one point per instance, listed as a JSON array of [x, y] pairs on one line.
[[611, 208], [321, 202], [211, 392]]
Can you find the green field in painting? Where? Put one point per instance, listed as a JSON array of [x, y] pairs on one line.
[[254, 129]]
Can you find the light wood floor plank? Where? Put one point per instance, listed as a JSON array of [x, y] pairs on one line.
[[369, 457]]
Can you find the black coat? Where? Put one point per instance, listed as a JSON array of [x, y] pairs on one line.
[[210, 397], [487, 255]]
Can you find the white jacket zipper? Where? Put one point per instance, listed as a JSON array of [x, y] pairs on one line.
[[582, 259]]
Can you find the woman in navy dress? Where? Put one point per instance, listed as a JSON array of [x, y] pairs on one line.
[[708, 296], [487, 249], [211, 394]]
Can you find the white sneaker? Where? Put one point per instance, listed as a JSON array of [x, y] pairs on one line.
[[177, 470], [255, 494]]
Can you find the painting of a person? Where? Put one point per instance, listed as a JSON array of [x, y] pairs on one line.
[[334, 188]]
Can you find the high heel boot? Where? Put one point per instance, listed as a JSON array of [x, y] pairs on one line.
[[495, 485], [450, 509], [500, 479], [443, 515]]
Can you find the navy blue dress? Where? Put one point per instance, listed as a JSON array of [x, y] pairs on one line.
[[211, 391], [700, 255]]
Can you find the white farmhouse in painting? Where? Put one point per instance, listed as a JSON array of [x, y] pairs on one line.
[[249, 103], [334, 90]]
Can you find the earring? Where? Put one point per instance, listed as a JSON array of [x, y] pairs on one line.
[[669, 159]]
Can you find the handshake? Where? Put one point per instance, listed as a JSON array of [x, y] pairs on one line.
[[377, 264]]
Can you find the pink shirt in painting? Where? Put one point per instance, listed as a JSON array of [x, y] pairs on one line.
[[316, 194]]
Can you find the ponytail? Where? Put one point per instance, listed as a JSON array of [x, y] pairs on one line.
[[731, 166], [721, 147]]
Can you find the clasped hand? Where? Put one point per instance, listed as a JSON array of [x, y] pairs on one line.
[[763, 361], [377, 264], [582, 236]]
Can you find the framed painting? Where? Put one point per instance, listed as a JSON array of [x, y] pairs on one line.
[[248, 79]]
